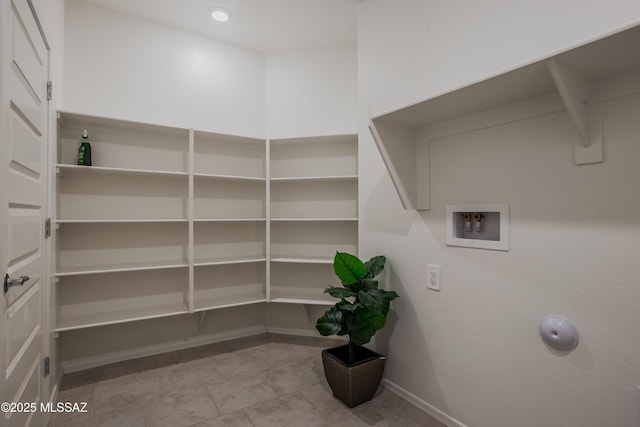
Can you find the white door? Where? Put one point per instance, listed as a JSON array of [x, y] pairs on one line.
[[23, 138]]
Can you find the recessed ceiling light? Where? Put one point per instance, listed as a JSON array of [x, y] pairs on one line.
[[220, 14]]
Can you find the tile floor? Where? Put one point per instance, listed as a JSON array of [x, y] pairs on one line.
[[263, 381]]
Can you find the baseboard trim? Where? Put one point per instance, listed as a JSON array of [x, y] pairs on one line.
[[422, 405], [80, 364], [298, 332]]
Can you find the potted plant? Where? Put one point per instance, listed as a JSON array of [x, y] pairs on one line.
[[353, 371]]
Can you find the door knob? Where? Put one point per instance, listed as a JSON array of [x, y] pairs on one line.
[[9, 282]]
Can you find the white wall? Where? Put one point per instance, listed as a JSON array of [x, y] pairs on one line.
[[472, 350], [312, 92], [124, 67]]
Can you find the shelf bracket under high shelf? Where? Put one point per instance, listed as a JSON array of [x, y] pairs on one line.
[[201, 318], [407, 161], [310, 313], [584, 108]]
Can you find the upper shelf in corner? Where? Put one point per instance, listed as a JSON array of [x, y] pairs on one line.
[[612, 55], [575, 74]]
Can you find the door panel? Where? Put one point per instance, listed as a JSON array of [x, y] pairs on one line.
[[25, 149], [27, 81], [23, 324], [31, 387], [22, 168]]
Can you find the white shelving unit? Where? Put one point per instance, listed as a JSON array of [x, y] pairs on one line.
[[230, 221], [167, 221], [313, 194], [170, 221], [578, 81]]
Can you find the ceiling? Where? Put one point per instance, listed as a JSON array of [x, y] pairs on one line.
[[263, 25]]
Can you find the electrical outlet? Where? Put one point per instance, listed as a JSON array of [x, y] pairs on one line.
[[433, 277]]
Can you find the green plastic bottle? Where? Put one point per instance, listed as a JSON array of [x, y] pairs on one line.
[[84, 151]]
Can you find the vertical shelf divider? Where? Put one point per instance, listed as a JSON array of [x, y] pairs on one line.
[[190, 217], [267, 211]]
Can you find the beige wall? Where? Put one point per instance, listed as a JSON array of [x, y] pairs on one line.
[[472, 351]]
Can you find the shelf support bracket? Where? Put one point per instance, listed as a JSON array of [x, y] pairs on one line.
[[585, 111], [201, 317], [309, 312], [407, 161]]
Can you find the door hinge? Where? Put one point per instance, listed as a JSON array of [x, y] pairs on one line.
[[47, 228], [49, 90], [46, 364]]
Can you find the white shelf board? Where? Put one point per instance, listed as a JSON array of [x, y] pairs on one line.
[[227, 261], [229, 301], [611, 55], [324, 219], [61, 169], [300, 260], [202, 137], [114, 268], [204, 220], [229, 177], [120, 316], [317, 139], [77, 120], [402, 135], [314, 178], [302, 301], [122, 221], [293, 295]]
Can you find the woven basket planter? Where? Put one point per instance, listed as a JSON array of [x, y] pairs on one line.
[[357, 383]]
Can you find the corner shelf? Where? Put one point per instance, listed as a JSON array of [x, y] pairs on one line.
[[315, 219], [172, 221], [303, 301], [313, 211], [101, 318], [227, 261], [121, 221], [315, 178], [299, 260], [581, 76], [118, 268], [62, 169]]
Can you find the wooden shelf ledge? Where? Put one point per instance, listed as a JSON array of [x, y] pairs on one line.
[[582, 77]]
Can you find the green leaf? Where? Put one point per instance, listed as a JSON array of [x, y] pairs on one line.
[[348, 268], [372, 301], [369, 284], [381, 293], [362, 326], [346, 306], [339, 292], [374, 266], [331, 323]]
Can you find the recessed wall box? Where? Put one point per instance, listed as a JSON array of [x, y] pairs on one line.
[[478, 226]]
